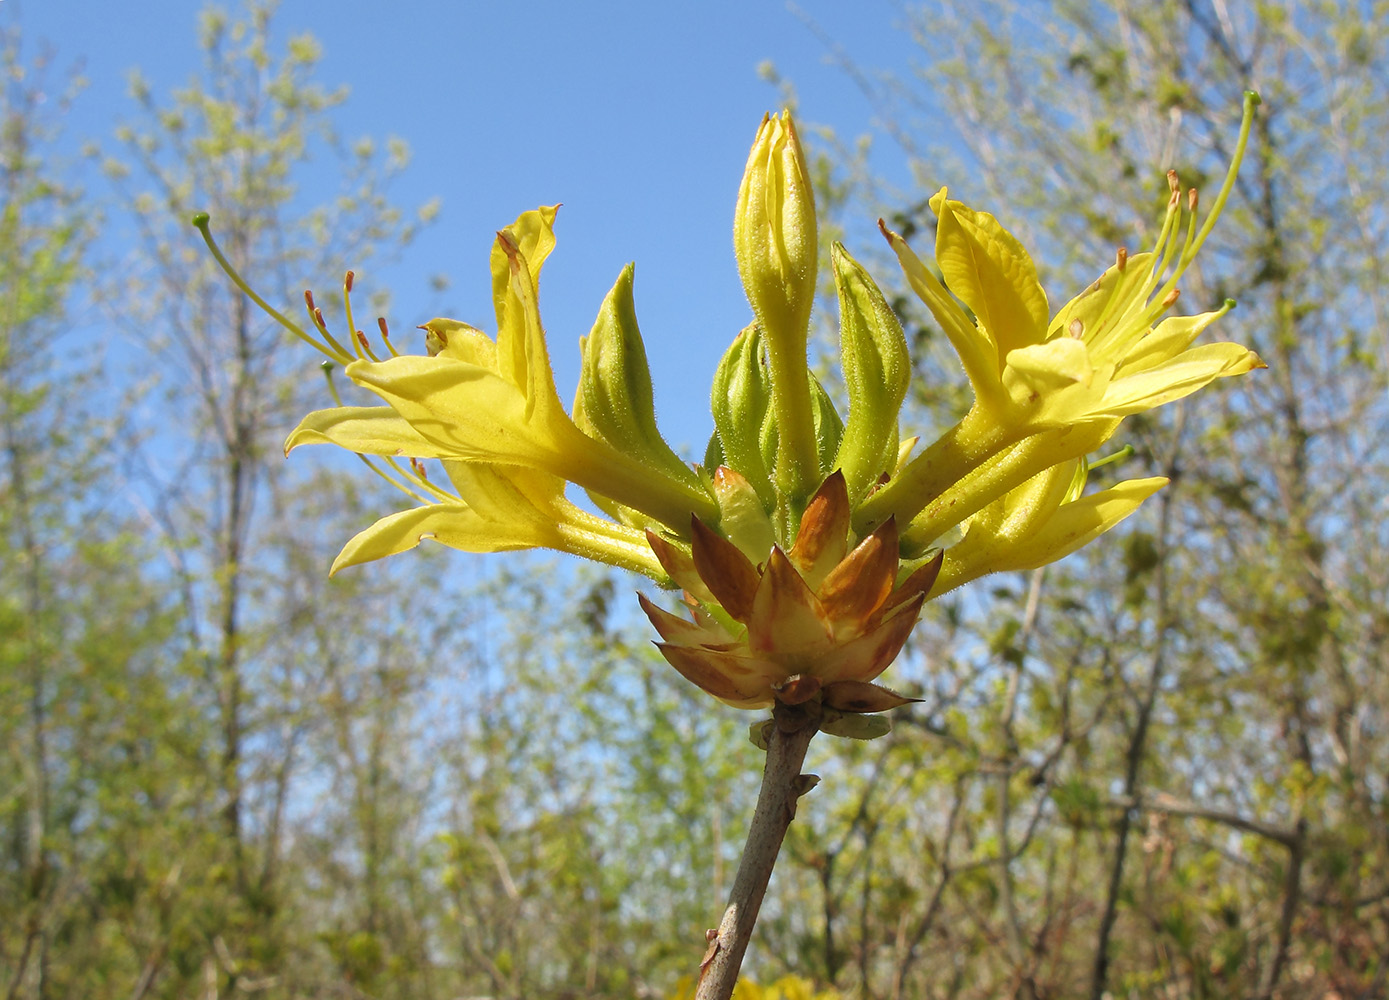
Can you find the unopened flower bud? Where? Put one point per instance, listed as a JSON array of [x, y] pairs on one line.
[[614, 401], [774, 238]]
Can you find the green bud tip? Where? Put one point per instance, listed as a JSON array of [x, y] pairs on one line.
[[201, 220], [1252, 98], [327, 367], [1230, 304]]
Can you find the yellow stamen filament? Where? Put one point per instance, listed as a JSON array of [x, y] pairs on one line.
[[331, 348], [386, 336]]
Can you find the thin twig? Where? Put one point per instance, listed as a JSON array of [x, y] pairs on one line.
[[782, 785]]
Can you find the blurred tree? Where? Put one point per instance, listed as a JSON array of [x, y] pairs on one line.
[[80, 621], [267, 642], [1157, 767]]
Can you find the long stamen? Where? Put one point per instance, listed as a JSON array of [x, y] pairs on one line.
[[1196, 238], [419, 477], [332, 349], [359, 339], [398, 485], [1251, 101], [316, 317], [386, 336], [1118, 456]]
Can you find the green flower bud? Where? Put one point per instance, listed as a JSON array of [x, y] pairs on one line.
[[741, 403], [877, 370], [774, 239], [614, 401]]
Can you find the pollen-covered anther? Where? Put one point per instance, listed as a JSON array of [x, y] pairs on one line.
[[347, 280], [1193, 198], [1171, 297], [1174, 182], [1075, 328], [1121, 258]]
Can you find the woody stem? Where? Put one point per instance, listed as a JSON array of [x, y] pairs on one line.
[[782, 785]]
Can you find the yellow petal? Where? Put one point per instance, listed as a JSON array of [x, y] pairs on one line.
[[1004, 472], [533, 234], [1106, 311], [466, 411], [1179, 377], [451, 339], [1073, 525], [989, 271], [975, 347], [1170, 338], [449, 524], [367, 430], [523, 357]]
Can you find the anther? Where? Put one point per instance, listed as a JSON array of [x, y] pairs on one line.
[[347, 281], [318, 319], [362, 339], [1121, 258], [381, 325], [308, 300], [1171, 297], [1173, 182], [1075, 328], [1191, 199]]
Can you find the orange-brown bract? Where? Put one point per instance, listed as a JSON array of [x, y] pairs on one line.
[[818, 621]]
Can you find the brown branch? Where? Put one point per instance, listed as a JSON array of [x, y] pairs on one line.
[[782, 785], [1138, 740], [1292, 899], [1172, 806]]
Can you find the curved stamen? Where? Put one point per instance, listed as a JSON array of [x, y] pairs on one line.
[[332, 348]]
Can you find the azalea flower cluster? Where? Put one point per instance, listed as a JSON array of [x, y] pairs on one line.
[[807, 541]]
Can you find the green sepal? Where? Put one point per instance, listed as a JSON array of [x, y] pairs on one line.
[[614, 402], [855, 726], [829, 427], [713, 453], [877, 372], [741, 403], [760, 733]]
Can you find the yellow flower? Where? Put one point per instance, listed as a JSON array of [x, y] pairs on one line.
[[1101, 357], [806, 543], [479, 401], [1039, 522]]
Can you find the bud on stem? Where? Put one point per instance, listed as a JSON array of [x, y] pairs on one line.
[[774, 238]]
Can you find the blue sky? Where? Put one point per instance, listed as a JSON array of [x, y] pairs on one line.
[[637, 116]]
